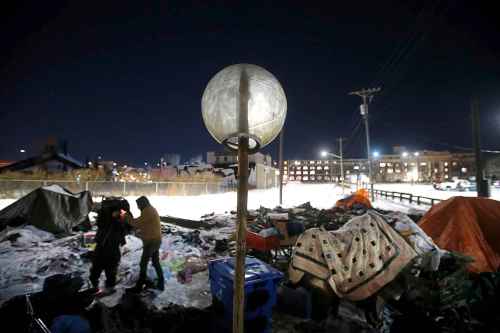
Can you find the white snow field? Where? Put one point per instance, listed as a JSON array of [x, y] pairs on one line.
[[428, 191], [320, 196]]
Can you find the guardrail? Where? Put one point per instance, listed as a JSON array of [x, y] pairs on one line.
[[409, 197]]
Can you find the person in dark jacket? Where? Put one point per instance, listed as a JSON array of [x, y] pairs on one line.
[[110, 236]]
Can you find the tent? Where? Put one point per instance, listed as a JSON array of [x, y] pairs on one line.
[[470, 226], [50, 208]]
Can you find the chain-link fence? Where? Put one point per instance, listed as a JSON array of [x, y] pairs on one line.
[[13, 189]]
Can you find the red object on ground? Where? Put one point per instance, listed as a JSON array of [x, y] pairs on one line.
[[259, 243], [470, 226], [360, 197]]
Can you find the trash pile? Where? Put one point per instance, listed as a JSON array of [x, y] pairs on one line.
[[414, 275]]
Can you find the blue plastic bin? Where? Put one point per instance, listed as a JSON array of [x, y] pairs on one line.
[[260, 288]]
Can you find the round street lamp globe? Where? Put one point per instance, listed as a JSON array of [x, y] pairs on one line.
[[244, 100]]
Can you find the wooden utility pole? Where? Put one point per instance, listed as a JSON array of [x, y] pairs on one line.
[[481, 184], [241, 208], [367, 95], [280, 153]]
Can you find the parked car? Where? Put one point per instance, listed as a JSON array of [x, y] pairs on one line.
[[455, 185]]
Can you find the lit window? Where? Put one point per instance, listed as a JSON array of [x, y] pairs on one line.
[[412, 163], [311, 162], [445, 169], [382, 165], [305, 168], [446, 176], [291, 178], [390, 170], [286, 162], [454, 163], [312, 172], [312, 178], [292, 172], [423, 163], [305, 172], [406, 164], [398, 170], [334, 162], [326, 168], [320, 178], [305, 178], [464, 170], [319, 168], [327, 178], [299, 172], [389, 164], [381, 171], [435, 170], [445, 163], [356, 167], [298, 178], [297, 162], [285, 172], [347, 172]]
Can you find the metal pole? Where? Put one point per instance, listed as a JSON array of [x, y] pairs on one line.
[[341, 165], [239, 277], [281, 165]]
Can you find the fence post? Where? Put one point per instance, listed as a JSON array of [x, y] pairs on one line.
[[156, 188], [418, 200], [400, 197], [86, 186], [432, 202], [411, 198], [206, 188]]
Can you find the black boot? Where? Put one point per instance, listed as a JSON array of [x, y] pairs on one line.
[[160, 285]]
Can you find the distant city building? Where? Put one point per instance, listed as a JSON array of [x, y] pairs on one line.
[[404, 166], [223, 159]]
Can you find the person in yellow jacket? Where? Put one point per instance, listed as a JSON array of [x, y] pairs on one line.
[[149, 230]]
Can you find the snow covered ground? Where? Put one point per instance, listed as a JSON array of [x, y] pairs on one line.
[[193, 207], [430, 192], [320, 196]]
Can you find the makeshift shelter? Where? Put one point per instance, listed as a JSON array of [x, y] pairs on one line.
[[359, 199], [470, 226], [50, 208]]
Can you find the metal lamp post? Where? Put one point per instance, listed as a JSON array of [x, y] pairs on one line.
[[244, 108], [325, 153]]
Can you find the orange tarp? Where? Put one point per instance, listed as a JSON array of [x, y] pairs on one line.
[[359, 197], [470, 226]]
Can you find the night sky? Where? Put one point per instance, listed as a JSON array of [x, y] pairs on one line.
[[124, 79]]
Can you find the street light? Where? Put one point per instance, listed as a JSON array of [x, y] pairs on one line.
[[405, 154], [244, 108], [416, 153], [376, 154], [22, 150], [324, 153]]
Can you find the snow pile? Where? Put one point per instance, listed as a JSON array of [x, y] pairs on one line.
[[26, 236]]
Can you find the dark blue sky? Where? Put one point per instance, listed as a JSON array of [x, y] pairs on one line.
[[124, 78]]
